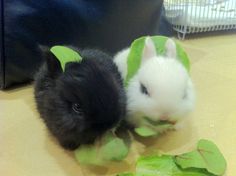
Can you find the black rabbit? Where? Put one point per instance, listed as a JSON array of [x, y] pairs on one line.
[[81, 103]]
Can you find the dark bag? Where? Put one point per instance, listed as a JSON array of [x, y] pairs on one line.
[[106, 24]]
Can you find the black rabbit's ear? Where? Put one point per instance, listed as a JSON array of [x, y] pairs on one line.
[[53, 64]]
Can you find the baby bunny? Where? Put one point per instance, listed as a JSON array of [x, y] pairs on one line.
[[83, 102], [161, 90]]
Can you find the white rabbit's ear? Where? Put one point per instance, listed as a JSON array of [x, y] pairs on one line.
[[149, 49], [171, 49]]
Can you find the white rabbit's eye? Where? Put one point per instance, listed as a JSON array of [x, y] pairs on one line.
[[77, 108], [144, 89]]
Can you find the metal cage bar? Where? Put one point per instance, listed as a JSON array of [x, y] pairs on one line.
[[194, 16]]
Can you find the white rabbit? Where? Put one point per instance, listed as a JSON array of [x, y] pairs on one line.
[[161, 90]]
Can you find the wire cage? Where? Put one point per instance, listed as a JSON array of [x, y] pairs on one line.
[[194, 16]]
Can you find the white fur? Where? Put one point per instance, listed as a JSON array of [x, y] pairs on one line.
[[121, 61], [166, 80], [170, 49], [149, 50]]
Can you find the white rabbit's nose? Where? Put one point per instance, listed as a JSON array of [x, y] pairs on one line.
[[167, 118], [164, 117]]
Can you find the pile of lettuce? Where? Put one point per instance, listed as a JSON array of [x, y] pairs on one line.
[[205, 160]]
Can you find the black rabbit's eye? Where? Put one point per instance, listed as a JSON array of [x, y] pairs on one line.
[[77, 108], [144, 89]]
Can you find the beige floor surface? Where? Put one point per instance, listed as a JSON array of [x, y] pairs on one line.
[[26, 149]]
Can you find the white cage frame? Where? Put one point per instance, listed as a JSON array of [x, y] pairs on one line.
[[195, 16]]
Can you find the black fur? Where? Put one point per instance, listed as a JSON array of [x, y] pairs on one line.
[[94, 83]]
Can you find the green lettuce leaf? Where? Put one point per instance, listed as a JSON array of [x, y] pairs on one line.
[[148, 128], [88, 154], [65, 55], [114, 149], [206, 156], [164, 166], [109, 148], [145, 131]]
